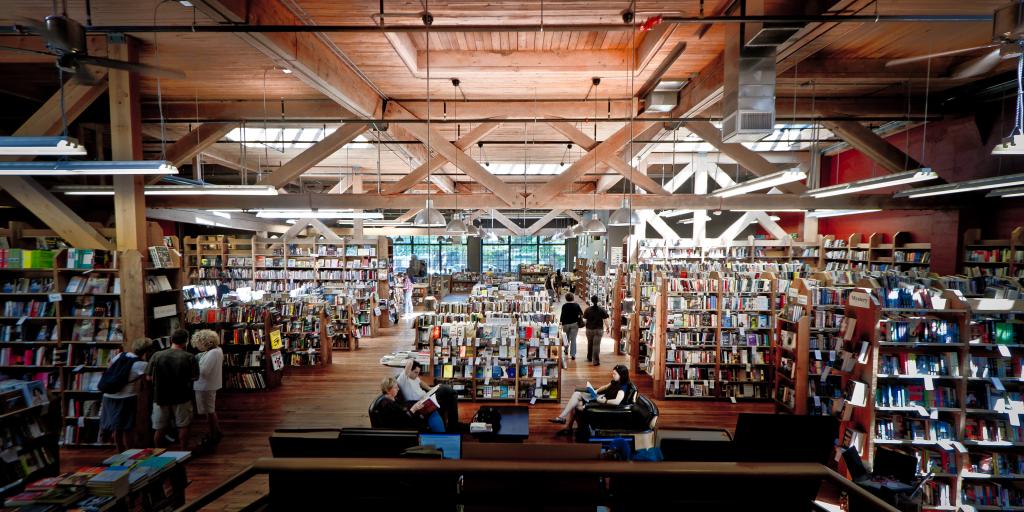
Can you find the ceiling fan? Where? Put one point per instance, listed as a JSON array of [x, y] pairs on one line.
[[1007, 41], [65, 40]]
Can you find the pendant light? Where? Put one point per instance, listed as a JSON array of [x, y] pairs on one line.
[[429, 216], [625, 216], [594, 226], [456, 226]]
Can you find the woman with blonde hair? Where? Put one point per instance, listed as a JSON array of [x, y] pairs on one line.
[[211, 365]]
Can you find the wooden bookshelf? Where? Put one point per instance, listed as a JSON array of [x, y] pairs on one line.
[[790, 354], [31, 430], [249, 352], [712, 336], [910, 255], [503, 365], [1002, 257]]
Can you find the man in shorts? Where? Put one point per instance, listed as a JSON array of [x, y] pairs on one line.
[[117, 414], [172, 372]]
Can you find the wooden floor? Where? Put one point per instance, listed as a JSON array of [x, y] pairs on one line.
[[338, 396]]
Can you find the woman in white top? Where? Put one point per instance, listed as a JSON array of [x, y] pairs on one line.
[[117, 412], [211, 369]]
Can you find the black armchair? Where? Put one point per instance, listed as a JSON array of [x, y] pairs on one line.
[[639, 415]]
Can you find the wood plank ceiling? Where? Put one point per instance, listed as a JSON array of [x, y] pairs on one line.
[[526, 70]]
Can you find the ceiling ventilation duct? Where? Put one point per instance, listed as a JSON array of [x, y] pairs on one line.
[[748, 103]]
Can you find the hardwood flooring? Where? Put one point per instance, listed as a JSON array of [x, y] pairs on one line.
[[338, 396]]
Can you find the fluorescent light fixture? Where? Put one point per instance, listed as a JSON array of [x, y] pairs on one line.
[[624, 216], [775, 218], [821, 214], [429, 216], [1007, 192], [886, 181], [41, 146], [760, 183], [1010, 180], [223, 215], [675, 213], [90, 168], [1010, 146], [694, 218], [318, 214], [174, 190], [286, 71]]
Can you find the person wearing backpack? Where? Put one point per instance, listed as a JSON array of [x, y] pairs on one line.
[[120, 386]]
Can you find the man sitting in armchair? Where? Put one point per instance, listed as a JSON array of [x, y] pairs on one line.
[[414, 389]]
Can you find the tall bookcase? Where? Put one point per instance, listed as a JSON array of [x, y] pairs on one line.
[[712, 336], [252, 362], [28, 437], [792, 333], [1002, 257]]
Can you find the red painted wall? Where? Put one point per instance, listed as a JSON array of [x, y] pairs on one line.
[[956, 151]]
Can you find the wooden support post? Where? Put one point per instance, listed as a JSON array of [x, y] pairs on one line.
[[129, 199]]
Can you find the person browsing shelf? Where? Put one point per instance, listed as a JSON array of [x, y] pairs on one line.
[[613, 393], [172, 372], [393, 414], [559, 281], [595, 316], [570, 318], [117, 412], [211, 365], [414, 389], [407, 287]]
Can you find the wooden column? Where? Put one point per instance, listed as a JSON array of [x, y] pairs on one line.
[[129, 200]]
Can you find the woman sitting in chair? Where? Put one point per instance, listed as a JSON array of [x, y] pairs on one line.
[[393, 414], [614, 393]]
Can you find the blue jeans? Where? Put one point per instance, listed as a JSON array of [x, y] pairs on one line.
[[435, 423], [571, 330]]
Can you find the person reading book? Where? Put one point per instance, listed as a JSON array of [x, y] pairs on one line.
[[393, 414], [613, 393], [414, 389]]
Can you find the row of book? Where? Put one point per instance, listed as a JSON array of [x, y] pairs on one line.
[[32, 309], [231, 314], [26, 258], [28, 285]]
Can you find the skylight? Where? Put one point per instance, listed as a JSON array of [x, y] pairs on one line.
[[288, 138]]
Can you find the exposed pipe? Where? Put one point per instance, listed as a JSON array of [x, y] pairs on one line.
[[589, 27], [867, 119]]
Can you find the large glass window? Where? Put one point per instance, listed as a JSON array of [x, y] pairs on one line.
[[507, 253], [440, 253]]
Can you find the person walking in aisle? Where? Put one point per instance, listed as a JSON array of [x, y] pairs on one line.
[[613, 393], [211, 367], [559, 282], [117, 412], [407, 286], [413, 390], [571, 317], [172, 372], [549, 286], [595, 316], [415, 267]]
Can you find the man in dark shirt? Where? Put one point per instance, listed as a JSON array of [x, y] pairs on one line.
[[595, 316], [172, 372], [570, 320]]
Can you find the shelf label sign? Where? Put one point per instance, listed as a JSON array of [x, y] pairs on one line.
[[275, 340], [859, 299], [55, 297]]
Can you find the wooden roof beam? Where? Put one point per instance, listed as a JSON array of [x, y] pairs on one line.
[[314, 155], [77, 97], [463, 144], [879, 150], [54, 213], [450, 62], [196, 141], [543, 221], [508, 223], [311, 59], [745, 157]]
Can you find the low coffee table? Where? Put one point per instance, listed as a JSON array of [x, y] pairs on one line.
[[515, 426]]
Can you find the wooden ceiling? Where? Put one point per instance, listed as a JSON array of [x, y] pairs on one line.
[[517, 67]]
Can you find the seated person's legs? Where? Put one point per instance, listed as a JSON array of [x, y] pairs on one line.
[[435, 423]]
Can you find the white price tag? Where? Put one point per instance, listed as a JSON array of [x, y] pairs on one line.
[[998, 384], [945, 445], [1014, 419], [817, 401], [1004, 351], [732, 399], [929, 384], [817, 355], [533, 401], [55, 297], [22, 320], [959, 447]]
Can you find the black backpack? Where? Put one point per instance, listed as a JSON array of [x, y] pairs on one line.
[[117, 376]]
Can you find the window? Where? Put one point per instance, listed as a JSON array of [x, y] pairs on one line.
[[440, 254], [506, 254]]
